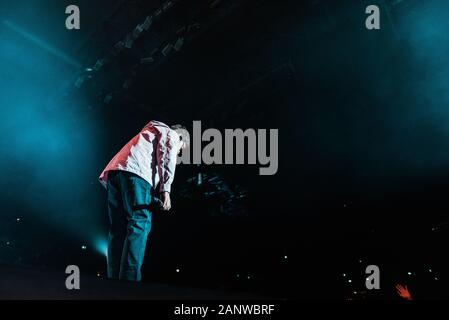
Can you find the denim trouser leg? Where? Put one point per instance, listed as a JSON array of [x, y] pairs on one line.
[[139, 226], [117, 235], [130, 224]]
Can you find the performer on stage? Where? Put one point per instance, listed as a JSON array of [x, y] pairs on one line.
[[147, 161]]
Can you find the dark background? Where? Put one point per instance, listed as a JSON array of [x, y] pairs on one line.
[[363, 139]]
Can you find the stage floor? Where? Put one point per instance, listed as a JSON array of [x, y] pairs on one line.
[[38, 283]]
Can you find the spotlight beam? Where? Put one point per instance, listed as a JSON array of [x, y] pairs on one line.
[[40, 43]]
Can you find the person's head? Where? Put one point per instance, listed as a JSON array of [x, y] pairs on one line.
[[184, 136]]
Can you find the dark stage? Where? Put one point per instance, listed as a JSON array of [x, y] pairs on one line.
[[22, 283], [318, 148]]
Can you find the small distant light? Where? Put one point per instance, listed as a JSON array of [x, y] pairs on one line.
[[83, 247], [355, 292], [344, 205], [360, 260], [177, 270], [7, 243], [349, 280], [409, 273], [98, 274], [430, 270], [436, 278], [238, 275], [18, 219], [344, 274], [89, 69], [248, 277], [367, 279], [285, 257]]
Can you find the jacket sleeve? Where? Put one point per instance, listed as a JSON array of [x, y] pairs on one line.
[[167, 150]]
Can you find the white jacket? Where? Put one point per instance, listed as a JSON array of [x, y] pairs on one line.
[[151, 154]]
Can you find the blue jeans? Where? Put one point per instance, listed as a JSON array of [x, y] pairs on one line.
[[129, 198]]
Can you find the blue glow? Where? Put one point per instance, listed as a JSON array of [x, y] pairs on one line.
[[32, 38], [101, 245], [48, 146]]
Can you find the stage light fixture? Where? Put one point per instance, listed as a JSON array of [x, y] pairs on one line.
[[147, 23], [100, 63], [129, 41], [178, 44], [167, 49], [167, 5], [147, 60], [119, 46], [137, 31]]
